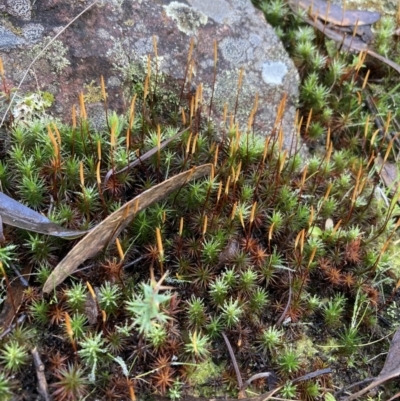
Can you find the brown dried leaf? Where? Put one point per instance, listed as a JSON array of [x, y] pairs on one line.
[[389, 174], [91, 309], [18, 215], [336, 15], [393, 357], [349, 42], [14, 300], [112, 226]]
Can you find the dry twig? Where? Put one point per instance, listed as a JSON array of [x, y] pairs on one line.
[[42, 382]]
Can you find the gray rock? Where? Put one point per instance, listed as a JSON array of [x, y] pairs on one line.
[[8, 39], [115, 37]]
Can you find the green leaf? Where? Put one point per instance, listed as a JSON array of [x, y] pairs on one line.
[[329, 397]]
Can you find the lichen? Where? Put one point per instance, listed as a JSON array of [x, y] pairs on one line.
[[121, 60], [144, 46], [32, 106], [92, 93], [55, 55], [273, 72], [114, 82], [187, 18], [218, 10], [97, 116], [225, 93], [33, 32], [19, 8], [236, 50], [7, 24]]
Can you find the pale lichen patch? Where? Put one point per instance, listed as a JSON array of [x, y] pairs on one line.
[[187, 18], [236, 50], [114, 82], [33, 32], [273, 72], [19, 8], [55, 55], [218, 10]]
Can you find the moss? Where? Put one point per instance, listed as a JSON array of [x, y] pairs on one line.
[[92, 93], [259, 226], [48, 98], [306, 347], [201, 375]]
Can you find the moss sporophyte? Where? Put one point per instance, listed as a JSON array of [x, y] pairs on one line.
[[272, 250]]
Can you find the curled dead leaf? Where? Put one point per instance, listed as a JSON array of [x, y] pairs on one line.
[[111, 227]]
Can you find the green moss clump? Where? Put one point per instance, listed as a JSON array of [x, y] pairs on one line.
[[273, 251]]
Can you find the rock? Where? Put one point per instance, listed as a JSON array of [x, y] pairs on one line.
[[114, 39]]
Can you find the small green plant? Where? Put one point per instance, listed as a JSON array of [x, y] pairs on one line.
[[157, 336], [309, 390], [231, 311], [274, 11], [214, 327], [270, 339], [5, 388], [211, 251], [109, 295], [198, 345], [196, 312], [24, 335], [219, 290], [93, 349], [76, 297], [230, 277], [288, 362], [314, 93], [175, 392], [32, 191], [7, 254], [384, 35], [78, 322], [258, 301], [43, 272], [145, 307], [71, 383], [289, 391], [313, 302], [14, 356], [349, 340], [40, 311], [333, 311], [40, 248], [247, 281]]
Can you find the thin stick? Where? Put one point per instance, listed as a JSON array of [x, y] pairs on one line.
[[235, 365], [42, 382], [282, 318], [10, 328], [40, 55]]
